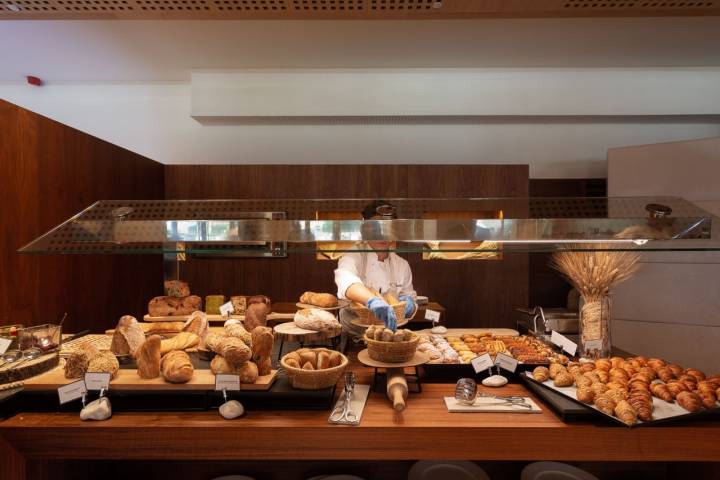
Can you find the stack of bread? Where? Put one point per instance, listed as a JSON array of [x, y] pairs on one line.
[[241, 352], [177, 301], [322, 300], [316, 320], [625, 387], [313, 359]]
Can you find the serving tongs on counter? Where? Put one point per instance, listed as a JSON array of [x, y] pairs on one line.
[[513, 401], [342, 414], [467, 393]]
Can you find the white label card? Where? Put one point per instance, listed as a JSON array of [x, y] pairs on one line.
[[227, 382], [4, 345], [563, 342], [506, 362], [594, 344], [227, 309], [97, 380], [432, 315], [71, 391], [482, 362]]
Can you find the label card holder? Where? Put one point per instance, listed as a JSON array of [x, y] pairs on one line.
[[224, 381], [482, 362], [97, 381], [227, 309], [432, 315], [563, 342], [506, 362], [71, 391], [4, 345]]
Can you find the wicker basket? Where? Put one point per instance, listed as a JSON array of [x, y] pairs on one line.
[[366, 317], [392, 352], [314, 379]]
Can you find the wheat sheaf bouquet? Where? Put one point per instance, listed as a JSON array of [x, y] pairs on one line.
[[594, 272]]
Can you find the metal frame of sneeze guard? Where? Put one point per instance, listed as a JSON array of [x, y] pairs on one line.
[[272, 227]]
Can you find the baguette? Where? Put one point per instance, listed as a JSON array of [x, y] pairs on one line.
[[181, 341], [162, 328]]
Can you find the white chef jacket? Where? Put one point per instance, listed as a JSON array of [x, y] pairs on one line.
[[391, 275]]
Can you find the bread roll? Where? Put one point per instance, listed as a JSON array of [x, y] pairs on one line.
[[104, 362], [148, 358], [262, 342], [292, 362], [174, 306], [324, 300], [220, 365], [176, 288], [176, 367], [248, 372], [213, 340], [181, 341], [128, 336], [308, 357], [335, 359], [256, 315], [316, 320], [233, 328], [323, 360], [308, 366]]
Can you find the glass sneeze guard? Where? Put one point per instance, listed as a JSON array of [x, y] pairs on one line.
[[224, 227]]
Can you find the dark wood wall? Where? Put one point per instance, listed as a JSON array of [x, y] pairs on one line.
[[49, 172], [480, 293]]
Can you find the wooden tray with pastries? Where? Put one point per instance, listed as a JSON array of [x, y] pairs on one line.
[[634, 391]]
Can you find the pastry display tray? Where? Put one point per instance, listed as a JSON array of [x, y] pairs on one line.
[[663, 412]]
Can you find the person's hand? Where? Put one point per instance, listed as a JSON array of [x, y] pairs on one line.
[[409, 306], [383, 311]]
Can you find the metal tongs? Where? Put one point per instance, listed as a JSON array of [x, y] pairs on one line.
[[509, 400], [342, 414]]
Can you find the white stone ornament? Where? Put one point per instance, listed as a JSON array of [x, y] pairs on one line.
[[495, 381], [231, 409], [99, 409], [439, 329]]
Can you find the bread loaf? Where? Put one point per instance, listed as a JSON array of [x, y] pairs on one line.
[[176, 288], [76, 364], [174, 306], [148, 358], [324, 300], [248, 372], [259, 299], [220, 365], [262, 342], [316, 320], [176, 367], [162, 328], [197, 324], [104, 362], [128, 336], [239, 303], [213, 303], [212, 341], [264, 365], [233, 328], [256, 315], [181, 341], [235, 351]]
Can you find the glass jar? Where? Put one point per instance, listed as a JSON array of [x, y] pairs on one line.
[[594, 328]]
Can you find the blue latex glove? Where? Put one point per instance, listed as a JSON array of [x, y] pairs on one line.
[[410, 306], [383, 311]]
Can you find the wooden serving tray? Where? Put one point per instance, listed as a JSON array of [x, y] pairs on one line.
[[128, 381], [219, 318]]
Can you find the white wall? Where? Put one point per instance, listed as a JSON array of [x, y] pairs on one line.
[[671, 307]]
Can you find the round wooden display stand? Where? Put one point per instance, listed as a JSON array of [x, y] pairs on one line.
[[291, 333], [30, 368], [418, 359], [358, 323]]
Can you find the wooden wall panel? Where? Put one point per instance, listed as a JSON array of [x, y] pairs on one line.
[[49, 172], [479, 293]]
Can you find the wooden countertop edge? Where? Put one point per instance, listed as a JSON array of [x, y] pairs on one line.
[[199, 442]]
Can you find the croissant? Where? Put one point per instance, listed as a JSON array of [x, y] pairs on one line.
[[626, 413], [676, 387], [665, 374], [689, 401], [616, 361], [574, 369], [641, 360], [587, 367], [602, 375], [585, 394], [708, 385], [655, 363], [695, 373], [645, 374], [677, 370], [583, 381], [661, 391], [556, 368], [642, 405], [541, 374], [708, 398], [630, 367], [639, 385], [563, 379], [617, 394], [593, 376], [619, 372], [690, 384], [605, 404], [616, 385], [603, 364], [599, 388]]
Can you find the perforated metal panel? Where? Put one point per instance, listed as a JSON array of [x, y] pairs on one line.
[[637, 4]]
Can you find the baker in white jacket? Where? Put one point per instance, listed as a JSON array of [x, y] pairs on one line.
[[372, 267]]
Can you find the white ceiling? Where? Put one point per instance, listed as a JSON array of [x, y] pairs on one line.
[[142, 51]]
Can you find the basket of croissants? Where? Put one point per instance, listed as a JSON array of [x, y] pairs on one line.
[[387, 346], [314, 368], [366, 317]]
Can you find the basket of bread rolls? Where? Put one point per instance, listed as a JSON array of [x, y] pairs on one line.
[[366, 317], [314, 368], [387, 346]]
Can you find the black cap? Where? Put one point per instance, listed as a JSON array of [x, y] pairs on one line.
[[379, 207]]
